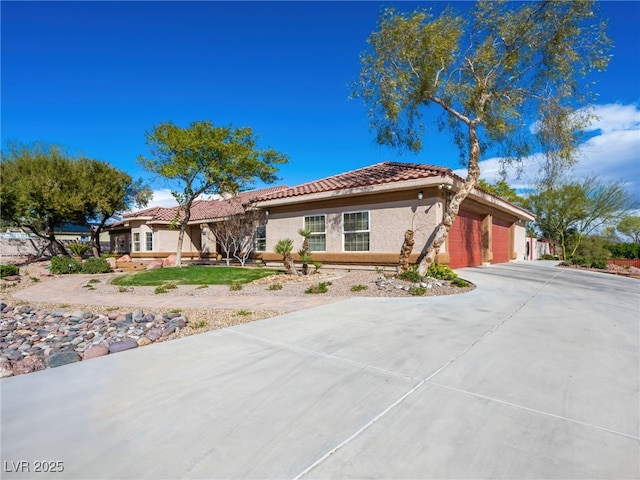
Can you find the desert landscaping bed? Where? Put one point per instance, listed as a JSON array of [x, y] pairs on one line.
[[39, 335]]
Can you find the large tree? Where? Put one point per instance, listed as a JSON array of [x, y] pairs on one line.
[[570, 211], [43, 187], [204, 159], [38, 190], [490, 72], [630, 227], [107, 192]]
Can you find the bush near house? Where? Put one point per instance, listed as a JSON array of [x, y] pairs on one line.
[[61, 264], [8, 270]]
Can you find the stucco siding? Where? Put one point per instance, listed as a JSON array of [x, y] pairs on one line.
[[387, 224], [519, 242]]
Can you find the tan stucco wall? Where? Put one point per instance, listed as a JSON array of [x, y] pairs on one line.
[[519, 241], [387, 224]]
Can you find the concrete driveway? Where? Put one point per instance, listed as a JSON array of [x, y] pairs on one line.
[[535, 374]]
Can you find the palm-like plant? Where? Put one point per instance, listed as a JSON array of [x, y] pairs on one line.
[[284, 247], [305, 254]]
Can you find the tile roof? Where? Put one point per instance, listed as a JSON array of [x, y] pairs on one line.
[[380, 173], [206, 209]]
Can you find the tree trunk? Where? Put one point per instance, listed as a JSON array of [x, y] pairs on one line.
[[289, 265], [179, 250], [453, 207], [405, 251]]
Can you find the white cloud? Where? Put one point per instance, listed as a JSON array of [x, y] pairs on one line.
[[162, 198], [612, 154]]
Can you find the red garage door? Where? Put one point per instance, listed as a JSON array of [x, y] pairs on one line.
[[500, 241], [465, 240]]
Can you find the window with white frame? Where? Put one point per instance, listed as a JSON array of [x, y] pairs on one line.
[[355, 227], [149, 241], [261, 238], [318, 237], [136, 242]]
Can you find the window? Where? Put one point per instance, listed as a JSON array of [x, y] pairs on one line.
[[356, 231], [149, 238], [261, 238], [136, 242], [318, 237]]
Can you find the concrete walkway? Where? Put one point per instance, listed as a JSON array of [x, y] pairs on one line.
[[535, 374], [68, 289]]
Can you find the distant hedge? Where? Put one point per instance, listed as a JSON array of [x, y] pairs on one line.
[[624, 250]]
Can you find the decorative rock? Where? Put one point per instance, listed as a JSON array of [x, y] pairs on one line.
[[157, 263], [122, 346], [95, 351], [5, 368], [13, 355], [112, 263], [124, 258], [144, 341], [61, 358], [170, 261], [12, 278], [27, 365]]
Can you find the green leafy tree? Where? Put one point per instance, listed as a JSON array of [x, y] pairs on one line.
[[570, 211], [38, 190], [107, 192], [502, 189], [630, 226], [205, 159], [489, 73]]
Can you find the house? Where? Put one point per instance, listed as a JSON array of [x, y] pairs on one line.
[[152, 233], [357, 217]]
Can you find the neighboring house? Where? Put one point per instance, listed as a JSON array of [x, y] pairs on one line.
[[19, 244], [360, 217], [153, 233], [357, 217]]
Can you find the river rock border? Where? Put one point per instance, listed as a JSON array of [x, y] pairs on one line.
[[33, 339]]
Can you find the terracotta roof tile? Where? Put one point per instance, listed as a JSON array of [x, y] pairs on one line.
[[206, 209], [380, 173]]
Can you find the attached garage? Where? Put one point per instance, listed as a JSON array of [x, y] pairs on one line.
[[500, 245], [465, 240]]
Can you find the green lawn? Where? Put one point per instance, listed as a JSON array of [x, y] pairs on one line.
[[193, 275]]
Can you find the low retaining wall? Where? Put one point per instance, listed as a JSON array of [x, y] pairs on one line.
[[634, 262]]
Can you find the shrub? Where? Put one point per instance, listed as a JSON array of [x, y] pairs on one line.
[[547, 256], [317, 266], [61, 264], [441, 272], [418, 291], [198, 324], [159, 290], [320, 288], [8, 270], [235, 287], [244, 313], [458, 282], [624, 250], [95, 265], [275, 286], [411, 275], [123, 289], [358, 288], [78, 249], [600, 262]]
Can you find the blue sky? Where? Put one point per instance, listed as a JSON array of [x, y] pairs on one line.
[[94, 76]]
